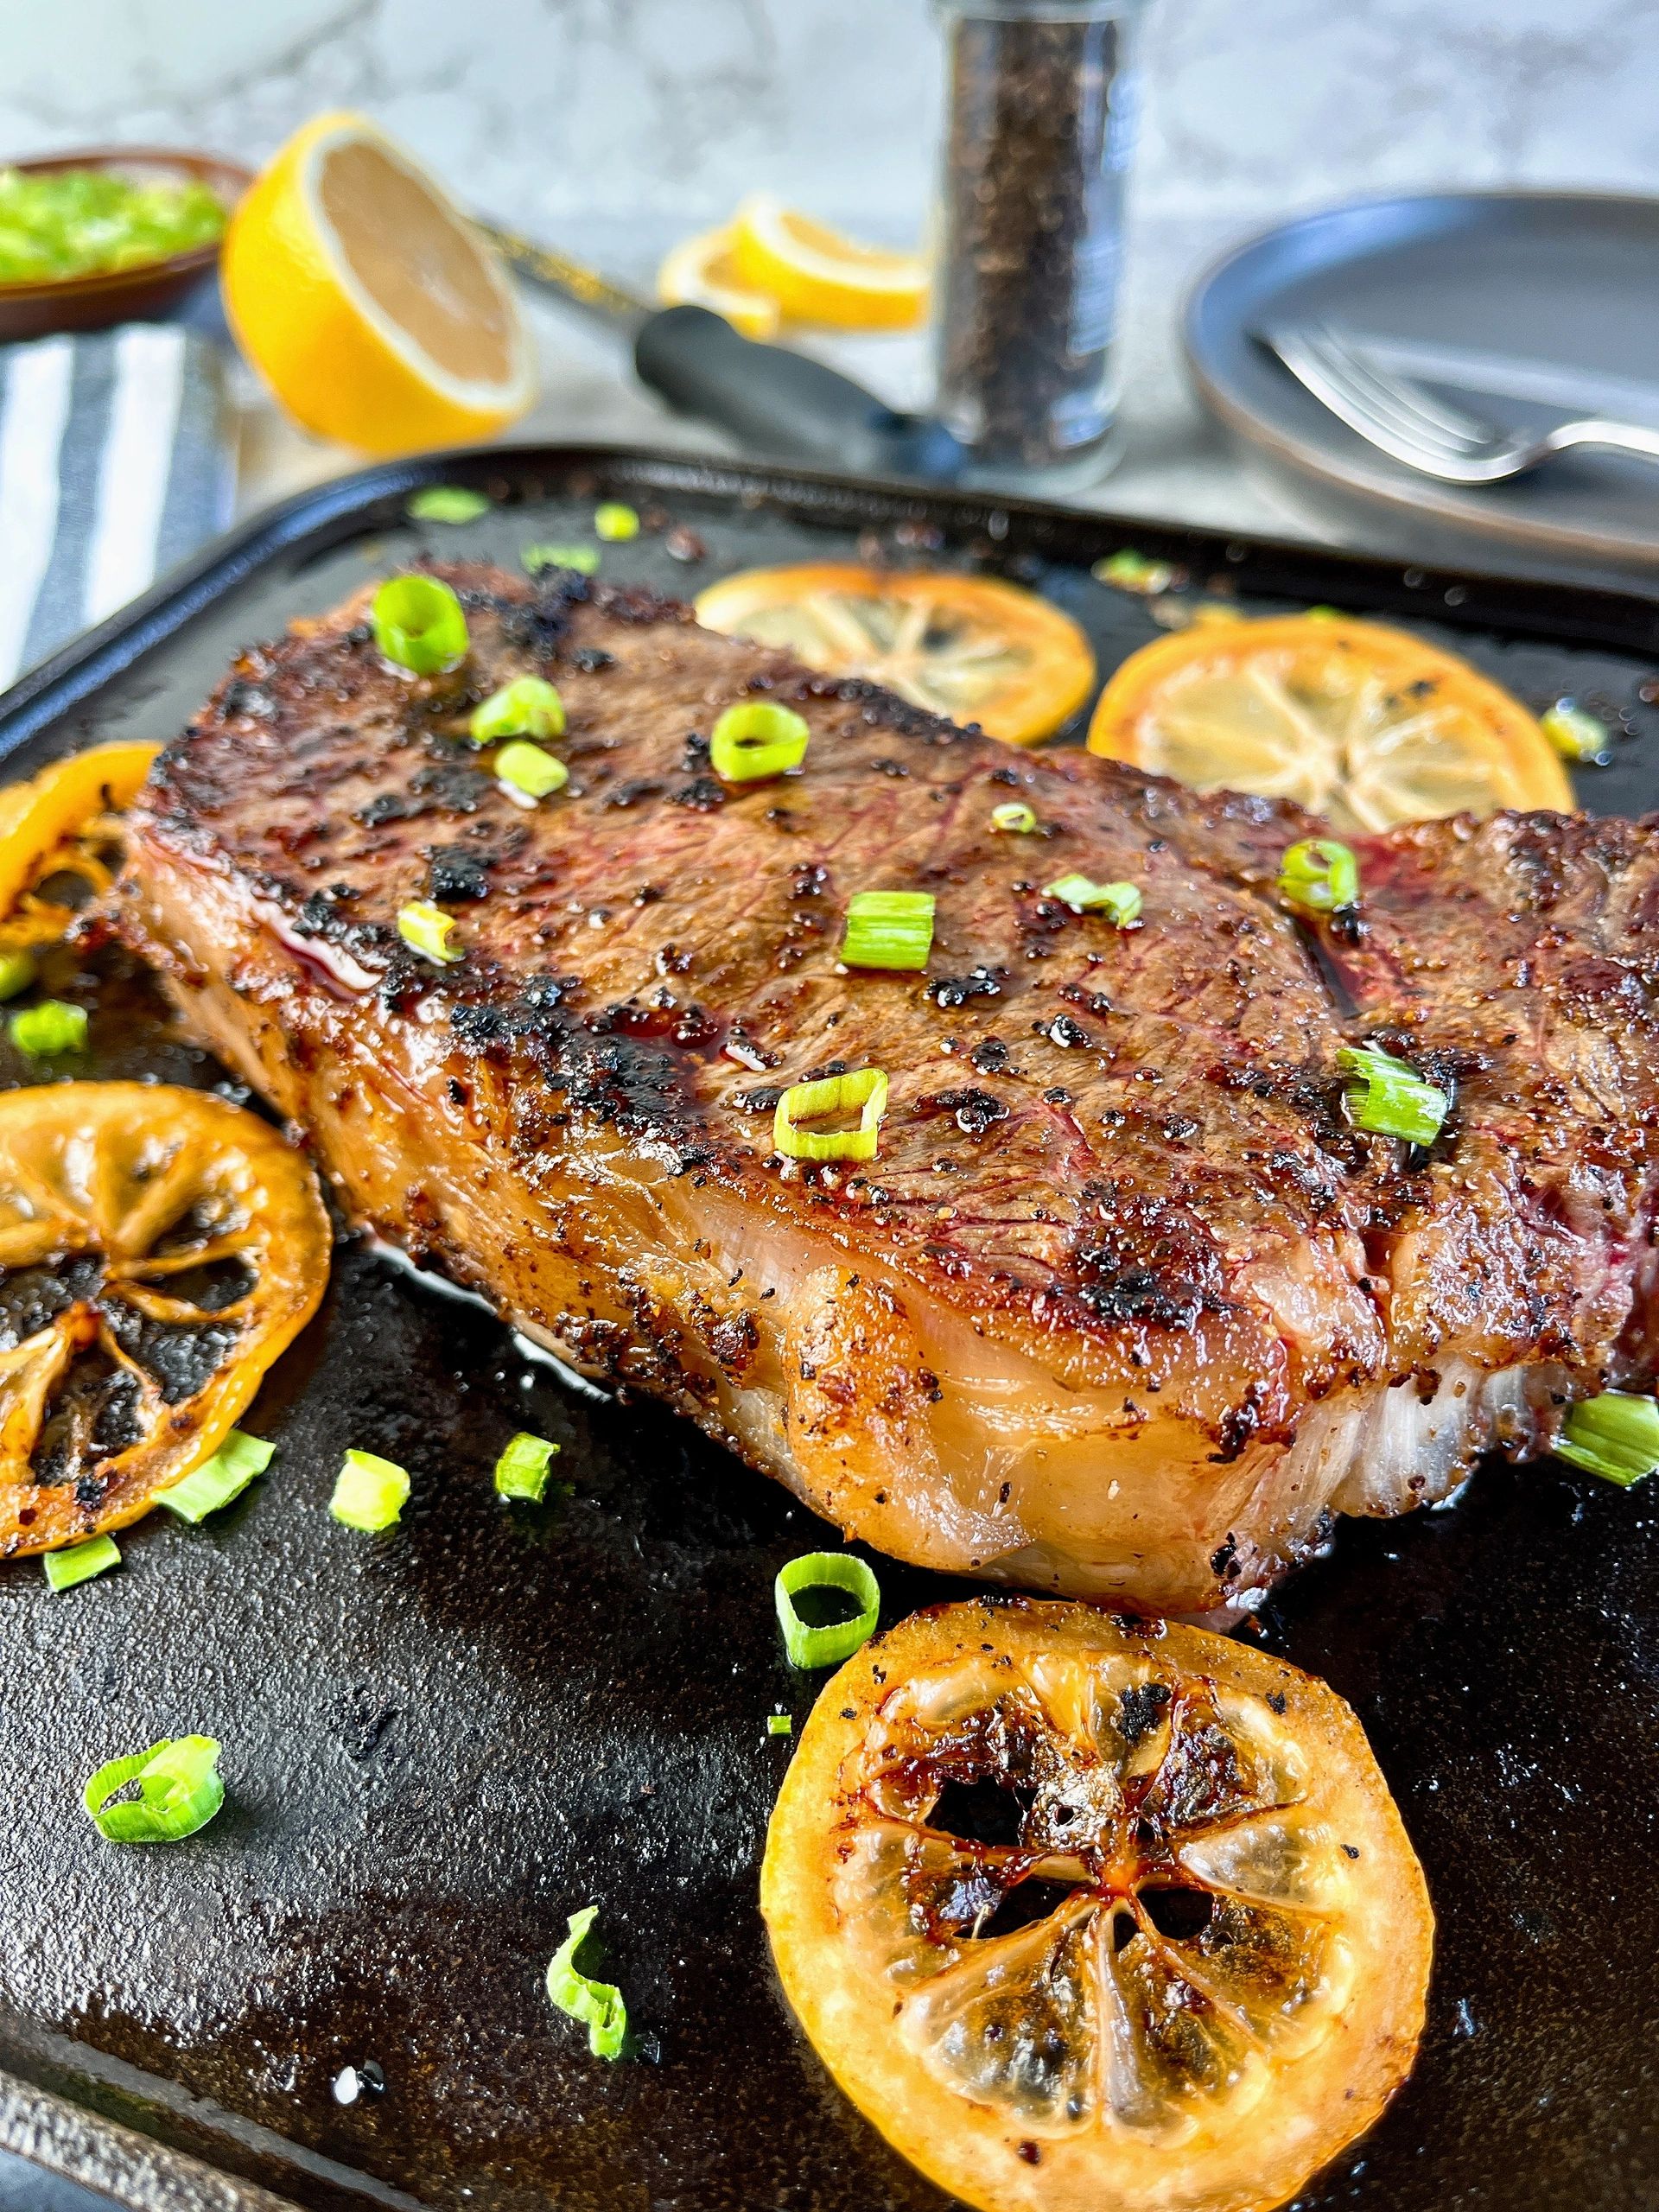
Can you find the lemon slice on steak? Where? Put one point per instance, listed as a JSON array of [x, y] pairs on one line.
[[971, 648], [1354, 720], [1084, 1912], [158, 1250]]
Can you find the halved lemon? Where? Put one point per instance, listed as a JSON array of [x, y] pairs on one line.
[[816, 275], [972, 648], [1082, 1911], [1360, 723], [158, 1250], [702, 273], [63, 822], [372, 308]]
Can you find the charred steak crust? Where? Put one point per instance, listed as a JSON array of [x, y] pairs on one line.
[[1125, 1301]]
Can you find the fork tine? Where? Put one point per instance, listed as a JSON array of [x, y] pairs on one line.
[[1446, 424], [1357, 404]]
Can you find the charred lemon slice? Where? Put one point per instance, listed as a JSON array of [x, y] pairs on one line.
[[1355, 721], [63, 823], [158, 1249], [1083, 1912], [972, 648]]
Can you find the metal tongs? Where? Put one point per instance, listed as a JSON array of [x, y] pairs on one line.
[[781, 403]]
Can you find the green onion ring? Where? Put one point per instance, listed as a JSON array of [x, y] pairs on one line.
[[1119, 902], [864, 1091], [827, 1646], [756, 739], [43, 1032], [446, 503], [420, 624], [888, 929], [179, 1791], [80, 1562], [528, 707], [1014, 819], [218, 1479], [1319, 876], [369, 1492], [529, 769], [1615, 1436], [521, 1472], [425, 928], [1390, 1099], [599, 2005]]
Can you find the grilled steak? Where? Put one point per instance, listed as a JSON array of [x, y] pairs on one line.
[[1124, 1306]]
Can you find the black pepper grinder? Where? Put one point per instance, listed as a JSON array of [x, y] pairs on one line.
[[1041, 110]]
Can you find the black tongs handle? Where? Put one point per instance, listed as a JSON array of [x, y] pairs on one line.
[[784, 403]]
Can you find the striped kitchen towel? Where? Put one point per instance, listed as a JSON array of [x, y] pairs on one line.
[[115, 459]]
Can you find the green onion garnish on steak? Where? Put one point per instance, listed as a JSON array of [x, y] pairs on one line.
[[1390, 1098], [888, 929], [864, 1092], [419, 624], [1319, 876], [756, 739]]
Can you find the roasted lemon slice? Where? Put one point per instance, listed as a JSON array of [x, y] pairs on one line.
[[1355, 721], [63, 822], [817, 274], [158, 1249], [972, 648], [1083, 1912], [700, 272]]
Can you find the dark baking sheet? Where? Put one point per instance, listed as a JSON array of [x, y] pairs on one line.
[[440, 1742]]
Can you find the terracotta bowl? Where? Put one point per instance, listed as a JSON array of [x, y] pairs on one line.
[[94, 302]]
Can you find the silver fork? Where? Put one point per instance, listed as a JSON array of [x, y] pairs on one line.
[[1404, 418]]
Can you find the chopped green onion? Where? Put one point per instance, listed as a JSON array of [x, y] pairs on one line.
[[80, 1562], [425, 928], [218, 1479], [528, 707], [1119, 902], [446, 503], [521, 1472], [888, 929], [525, 768], [1017, 820], [1391, 1099], [1616, 1436], [780, 1724], [828, 1646], [48, 1028], [18, 972], [179, 1791], [758, 739], [864, 1092], [76, 221], [1133, 571], [598, 2005], [584, 559], [420, 624], [369, 1492], [613, 522], [1575, 735], [1319, 876], [1323, 613]]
